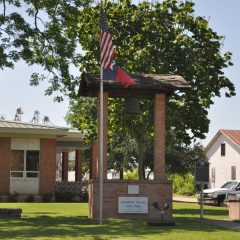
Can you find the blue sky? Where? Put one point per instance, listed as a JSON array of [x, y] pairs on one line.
[[223, 17]]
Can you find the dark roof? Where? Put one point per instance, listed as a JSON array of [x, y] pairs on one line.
[[146, 85]]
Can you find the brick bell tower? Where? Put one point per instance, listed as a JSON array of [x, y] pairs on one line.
[[132, 198]]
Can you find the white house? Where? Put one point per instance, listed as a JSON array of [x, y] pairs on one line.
[[223, 153]]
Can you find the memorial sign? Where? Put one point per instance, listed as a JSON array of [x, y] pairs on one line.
[[132, 204], [133, 189]]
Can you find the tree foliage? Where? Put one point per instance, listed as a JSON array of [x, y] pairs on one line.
[[162, 38], [181, 158], [122, 153], [168, 39], [83, 115], [44, 33], [165, 38]]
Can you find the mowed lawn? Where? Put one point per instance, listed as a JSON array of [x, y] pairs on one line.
[[69, 221]]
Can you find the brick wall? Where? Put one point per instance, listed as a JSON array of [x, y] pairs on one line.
[[234, 208], [159, 137], [78, 165], [5, 159], [65, 166], [105, 131], [156, 191], [94, 161], [47, 166]]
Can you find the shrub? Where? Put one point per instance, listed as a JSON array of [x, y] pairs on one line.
[[64, 196], [13, 197], [131, 175], [47, 197], [29, 198], [183, 184]]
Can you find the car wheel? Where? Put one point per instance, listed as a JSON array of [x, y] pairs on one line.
[[220, 201]]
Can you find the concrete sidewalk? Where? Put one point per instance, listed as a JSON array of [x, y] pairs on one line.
[[184, 199], [224, 223]]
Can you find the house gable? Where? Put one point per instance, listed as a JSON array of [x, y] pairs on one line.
[[232, 135], [231, 149]]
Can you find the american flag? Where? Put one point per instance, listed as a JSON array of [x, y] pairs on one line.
[[106, 46]]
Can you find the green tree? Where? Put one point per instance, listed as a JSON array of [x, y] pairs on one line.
[[43, 33], [165, 38], [181, 158], [83, 115], [122, 153]]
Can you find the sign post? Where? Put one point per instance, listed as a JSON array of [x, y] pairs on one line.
[[201, 214], [201, 177]]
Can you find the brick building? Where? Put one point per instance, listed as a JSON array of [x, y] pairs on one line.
[[28, 154]]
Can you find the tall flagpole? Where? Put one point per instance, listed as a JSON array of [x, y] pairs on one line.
[[101, 152], [101, 147]]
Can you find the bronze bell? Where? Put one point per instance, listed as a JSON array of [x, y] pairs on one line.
[[132, 106]]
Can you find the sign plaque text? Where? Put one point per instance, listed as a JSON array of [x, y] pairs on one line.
[[132, 204]]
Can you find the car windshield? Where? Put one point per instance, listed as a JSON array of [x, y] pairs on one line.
[[229, 185]]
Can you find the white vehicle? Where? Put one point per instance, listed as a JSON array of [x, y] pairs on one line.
[[216, 196]]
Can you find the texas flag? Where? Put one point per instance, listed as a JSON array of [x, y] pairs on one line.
[[117, 74]]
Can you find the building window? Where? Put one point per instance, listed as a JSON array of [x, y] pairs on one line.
[[223, 149], [213, 175], [233, 172], [17, 163], [24, 164]]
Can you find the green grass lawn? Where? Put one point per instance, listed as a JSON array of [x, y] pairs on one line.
[[69, 221]]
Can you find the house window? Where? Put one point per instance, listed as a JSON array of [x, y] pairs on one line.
[[213, 175], [233, 172], [223, 149], [24, 163]]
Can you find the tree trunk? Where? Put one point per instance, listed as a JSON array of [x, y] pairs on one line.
[[121, 174], [149, 174]]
